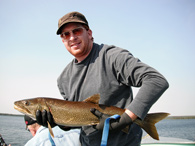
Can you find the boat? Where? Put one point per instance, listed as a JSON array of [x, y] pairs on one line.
[[165, 141]]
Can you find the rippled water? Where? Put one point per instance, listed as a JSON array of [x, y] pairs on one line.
[[176, 128], [179, 128], [12, 128]]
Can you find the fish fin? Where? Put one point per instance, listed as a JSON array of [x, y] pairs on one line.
[[50, 129], [149, 123], [93, 99]]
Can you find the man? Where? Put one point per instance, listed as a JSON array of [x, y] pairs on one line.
[[111, 72], [41, 135]]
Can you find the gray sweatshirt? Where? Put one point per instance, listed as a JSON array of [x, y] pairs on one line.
[[111, 72]]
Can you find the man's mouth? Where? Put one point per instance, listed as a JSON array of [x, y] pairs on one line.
[[75, 45]]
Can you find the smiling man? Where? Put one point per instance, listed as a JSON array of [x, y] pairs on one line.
[[110, 71], [77, 39]]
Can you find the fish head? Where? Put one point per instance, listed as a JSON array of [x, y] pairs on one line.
[[30, 106]]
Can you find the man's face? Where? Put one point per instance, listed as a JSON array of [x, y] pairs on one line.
[[32, 129], [77, 40]]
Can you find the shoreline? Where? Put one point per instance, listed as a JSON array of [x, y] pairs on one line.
[[6, 114], [180, 117], [169, 117]]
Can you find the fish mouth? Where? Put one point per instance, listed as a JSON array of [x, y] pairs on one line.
[[17, 108], [22, 109]]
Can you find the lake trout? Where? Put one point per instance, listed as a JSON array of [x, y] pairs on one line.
[[76, 114]]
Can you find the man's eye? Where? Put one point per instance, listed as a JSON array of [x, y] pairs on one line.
[[78, 31], [66, 34]]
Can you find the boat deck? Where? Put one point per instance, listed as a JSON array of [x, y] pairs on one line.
[[165, 141]]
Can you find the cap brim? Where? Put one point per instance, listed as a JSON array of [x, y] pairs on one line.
[[59, 29]]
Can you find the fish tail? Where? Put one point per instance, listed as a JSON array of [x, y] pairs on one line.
[[149, 123]]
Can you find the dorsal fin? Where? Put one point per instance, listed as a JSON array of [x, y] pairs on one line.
[[93, 99]]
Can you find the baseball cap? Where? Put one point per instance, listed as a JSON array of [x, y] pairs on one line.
[[28, 120], [71, 17]]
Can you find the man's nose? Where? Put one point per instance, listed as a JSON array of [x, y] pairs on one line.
[[73, 36]]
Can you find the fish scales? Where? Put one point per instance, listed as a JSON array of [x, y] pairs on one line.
[[74, 114], [78, 113]]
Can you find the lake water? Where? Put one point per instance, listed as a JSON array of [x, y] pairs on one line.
[[12, 129]]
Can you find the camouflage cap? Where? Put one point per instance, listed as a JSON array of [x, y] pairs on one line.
[[71, 17]]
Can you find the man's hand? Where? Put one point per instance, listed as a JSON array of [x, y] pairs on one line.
[[43, 117], [115, 125]]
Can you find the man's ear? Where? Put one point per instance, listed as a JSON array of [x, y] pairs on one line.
[[33, 132], [90, 33]]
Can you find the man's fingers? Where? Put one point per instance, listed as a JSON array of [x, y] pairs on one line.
[[96, 113], [39, 117], [50, 119], [44, 118], [92, 110]]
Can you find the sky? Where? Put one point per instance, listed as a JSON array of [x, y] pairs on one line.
[[161, 33]]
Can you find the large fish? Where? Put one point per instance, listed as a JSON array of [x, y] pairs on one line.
[[74, 114]]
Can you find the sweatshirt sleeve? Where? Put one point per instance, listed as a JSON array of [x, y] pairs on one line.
[[132, 72]]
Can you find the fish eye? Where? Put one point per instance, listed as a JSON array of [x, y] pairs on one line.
[[26, 103]]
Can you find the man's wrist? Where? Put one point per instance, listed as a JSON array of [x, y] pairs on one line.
[[131, 114]]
